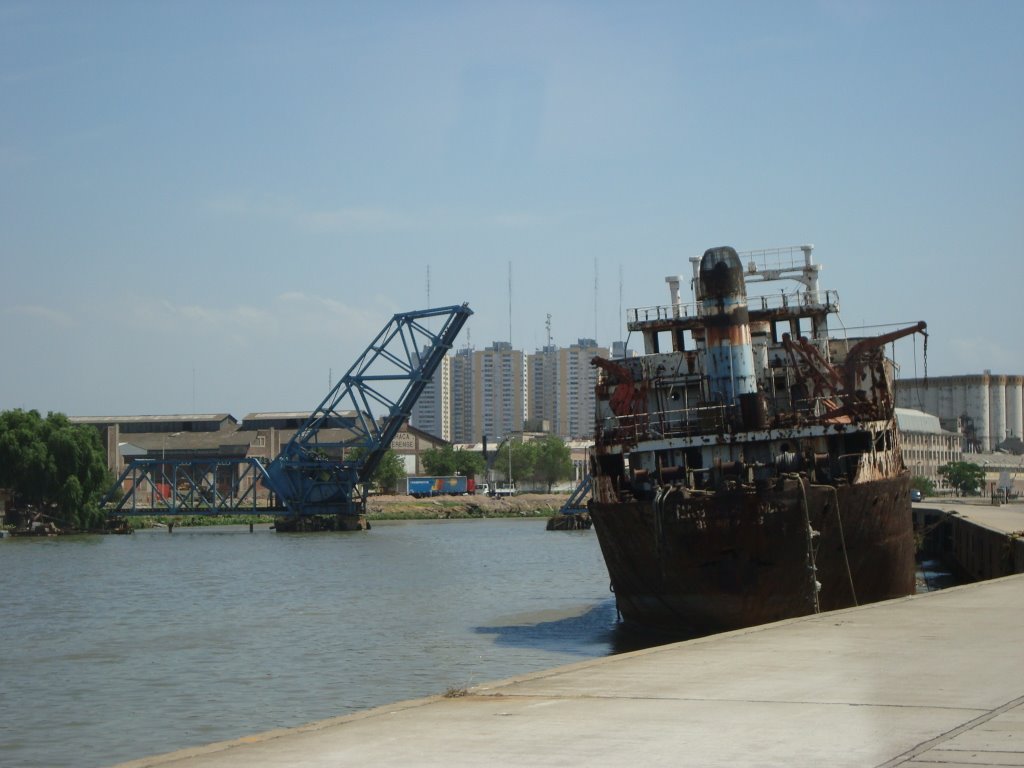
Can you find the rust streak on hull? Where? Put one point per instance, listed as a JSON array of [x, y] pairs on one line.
[[740, 559]]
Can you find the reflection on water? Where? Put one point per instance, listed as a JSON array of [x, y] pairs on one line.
[[599, 623], [118, 647], [933, 574], [596, 624]]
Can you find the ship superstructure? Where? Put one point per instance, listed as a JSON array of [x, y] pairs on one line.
[[747, 466]]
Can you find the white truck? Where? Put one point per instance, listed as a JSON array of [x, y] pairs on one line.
[[504, 489]]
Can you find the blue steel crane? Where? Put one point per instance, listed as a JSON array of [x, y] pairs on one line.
[[321, 476]]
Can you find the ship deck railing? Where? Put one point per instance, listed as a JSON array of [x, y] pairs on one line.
[[706, 419], [788, 258], [794, 302], [683, 422]]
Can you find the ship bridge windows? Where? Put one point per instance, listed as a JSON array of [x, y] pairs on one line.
[[671, 340], [885, 441], [610, 465], [652, 342], [857, 442]]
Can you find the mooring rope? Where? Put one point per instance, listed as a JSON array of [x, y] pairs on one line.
[[842, 540], [811, 565]]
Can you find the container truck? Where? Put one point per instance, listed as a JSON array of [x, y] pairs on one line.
[[452, 485]]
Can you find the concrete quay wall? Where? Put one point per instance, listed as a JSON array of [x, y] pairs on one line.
[[983, 552], [982, 541]]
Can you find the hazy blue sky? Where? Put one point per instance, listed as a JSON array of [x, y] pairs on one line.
[[210, 206]]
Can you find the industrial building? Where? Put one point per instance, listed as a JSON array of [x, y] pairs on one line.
[[926, 445], [220, 436], [988, 409]]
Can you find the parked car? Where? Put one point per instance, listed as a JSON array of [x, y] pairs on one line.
[[915, 495]]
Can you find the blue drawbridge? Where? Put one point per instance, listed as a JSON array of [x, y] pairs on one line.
[[316, 475], [320, 479], [574, 515], [186, 487]]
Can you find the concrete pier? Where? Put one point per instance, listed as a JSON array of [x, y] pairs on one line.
[[983, 540], [935, 679]]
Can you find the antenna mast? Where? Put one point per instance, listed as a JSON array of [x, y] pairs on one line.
[[621, 316]]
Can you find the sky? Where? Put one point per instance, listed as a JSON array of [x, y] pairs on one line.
[[215, 206]]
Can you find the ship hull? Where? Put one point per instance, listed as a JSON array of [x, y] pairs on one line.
[[701, 564]]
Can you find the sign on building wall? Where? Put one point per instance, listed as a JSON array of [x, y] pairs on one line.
[[403, 441]]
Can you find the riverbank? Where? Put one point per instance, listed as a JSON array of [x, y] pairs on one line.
[[460, 507], [381, 508]]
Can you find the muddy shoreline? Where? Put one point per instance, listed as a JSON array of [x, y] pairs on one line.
[[456, 507]]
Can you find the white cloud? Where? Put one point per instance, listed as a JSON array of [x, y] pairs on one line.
[[243, 325], [293, 316], [53, 317]]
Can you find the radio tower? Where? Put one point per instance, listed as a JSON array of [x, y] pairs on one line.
[[510, 301]]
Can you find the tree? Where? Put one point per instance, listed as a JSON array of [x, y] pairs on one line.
[[553, 461], [55, 466], [449, 461], [923, 484], [965, 476], [389, 473], [524, 458]]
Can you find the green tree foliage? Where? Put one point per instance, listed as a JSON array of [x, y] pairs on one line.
[[965, 476], [54, 465], [524, 459], [923, 484], [544, 461], [449, 461], [553, 461], [389, 473]]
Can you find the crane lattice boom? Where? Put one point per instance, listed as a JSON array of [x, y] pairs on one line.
[[324, 468]]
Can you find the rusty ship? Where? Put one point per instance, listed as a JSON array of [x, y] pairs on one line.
[[747, 466]]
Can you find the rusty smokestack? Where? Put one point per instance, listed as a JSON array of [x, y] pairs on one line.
[[730, 358]]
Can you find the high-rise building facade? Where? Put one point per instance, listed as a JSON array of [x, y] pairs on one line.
[[461, 398], [561, 391], [576, 381], [499, 391], [432, 411], [542, 396]]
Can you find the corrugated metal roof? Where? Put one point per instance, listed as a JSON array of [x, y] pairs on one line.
[[150, 419], [909, 420]]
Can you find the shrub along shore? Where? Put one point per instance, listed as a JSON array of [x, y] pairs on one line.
[[397, 508]]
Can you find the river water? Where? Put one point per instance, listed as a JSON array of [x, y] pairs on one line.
[[118, 647]]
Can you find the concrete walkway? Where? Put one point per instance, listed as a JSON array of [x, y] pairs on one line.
[[930, 680], [1008, 518]]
